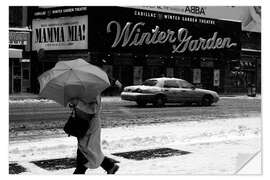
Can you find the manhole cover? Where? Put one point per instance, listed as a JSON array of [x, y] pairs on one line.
[[56, 164], [15, 168], [151, 153]]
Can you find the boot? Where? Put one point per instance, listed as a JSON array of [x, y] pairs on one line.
[[80, 170], [113, 169], [113, 160], [109, 166]]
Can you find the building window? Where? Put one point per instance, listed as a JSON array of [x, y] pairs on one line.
[[15, 16], [169, 72]]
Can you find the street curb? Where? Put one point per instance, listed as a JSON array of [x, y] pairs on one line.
[[20, 97]]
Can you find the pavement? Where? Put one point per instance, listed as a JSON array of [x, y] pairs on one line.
[[216, 147]]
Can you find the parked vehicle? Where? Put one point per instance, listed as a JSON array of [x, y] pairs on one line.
[[159, 91]]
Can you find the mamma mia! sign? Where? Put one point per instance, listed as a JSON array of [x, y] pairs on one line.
[[60, 33]]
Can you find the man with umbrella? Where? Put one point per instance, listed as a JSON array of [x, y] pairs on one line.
[[80, 84], [89, 153]]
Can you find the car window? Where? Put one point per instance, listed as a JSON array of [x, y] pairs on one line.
[[185, 84], [170, 84], [149, 82]]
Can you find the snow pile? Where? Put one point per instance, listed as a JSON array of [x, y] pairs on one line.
[[241, 97], [30, 100]]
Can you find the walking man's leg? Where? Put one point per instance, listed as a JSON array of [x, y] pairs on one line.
[[81, 160]]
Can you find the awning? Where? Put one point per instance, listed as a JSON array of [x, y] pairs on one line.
[[15, 53], [251, 50]]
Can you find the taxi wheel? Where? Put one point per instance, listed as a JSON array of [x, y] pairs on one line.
[[141, 103], [159, 101], [207, 101]]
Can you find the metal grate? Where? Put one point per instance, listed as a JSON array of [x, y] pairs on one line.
[[56, 164], [66, 163], [15, 168], [151, 153]]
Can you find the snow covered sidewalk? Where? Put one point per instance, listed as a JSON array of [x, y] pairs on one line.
[[213, 146]]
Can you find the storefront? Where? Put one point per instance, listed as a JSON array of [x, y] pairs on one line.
[[133, 44], [248, 69], [251, 59], [19, 60]]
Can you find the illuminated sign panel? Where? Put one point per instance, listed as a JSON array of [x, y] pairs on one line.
[[19, 39], [144, 31], [60, 33], [249, 16], [181, 40]]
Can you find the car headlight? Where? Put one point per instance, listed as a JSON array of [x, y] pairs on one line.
[[127, 90]]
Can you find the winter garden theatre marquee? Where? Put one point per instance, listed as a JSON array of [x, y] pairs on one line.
[[145, 42], [134, 30]]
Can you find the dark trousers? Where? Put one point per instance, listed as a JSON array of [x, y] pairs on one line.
[[106, 164]]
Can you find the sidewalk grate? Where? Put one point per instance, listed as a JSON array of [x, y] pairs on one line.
[[66, 163], [56, 164], [15, 168], [151, 153]]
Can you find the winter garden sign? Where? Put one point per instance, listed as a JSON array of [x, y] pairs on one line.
[[132, 35]]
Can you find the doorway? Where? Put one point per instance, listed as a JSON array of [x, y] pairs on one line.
[[124, 74], [207, 78], [17, 76]]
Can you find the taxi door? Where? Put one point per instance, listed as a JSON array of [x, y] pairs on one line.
[[172, 91]]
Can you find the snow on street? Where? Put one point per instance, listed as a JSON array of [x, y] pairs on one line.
[[219, 146], [108, 99]]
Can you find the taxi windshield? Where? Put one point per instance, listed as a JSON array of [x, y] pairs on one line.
[[149, 82]]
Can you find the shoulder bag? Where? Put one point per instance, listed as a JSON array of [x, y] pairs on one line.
[[76, 126]]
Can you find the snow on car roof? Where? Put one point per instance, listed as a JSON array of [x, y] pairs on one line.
[[165, 78]]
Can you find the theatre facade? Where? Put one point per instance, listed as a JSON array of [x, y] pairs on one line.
[[133, 44]]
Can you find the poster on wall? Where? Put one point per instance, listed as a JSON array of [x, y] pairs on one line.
[[60, 33], [169, 72], [216, 77], [196, 76], [137, 75]]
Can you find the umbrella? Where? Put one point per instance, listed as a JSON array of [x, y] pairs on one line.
[[73, 79]]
